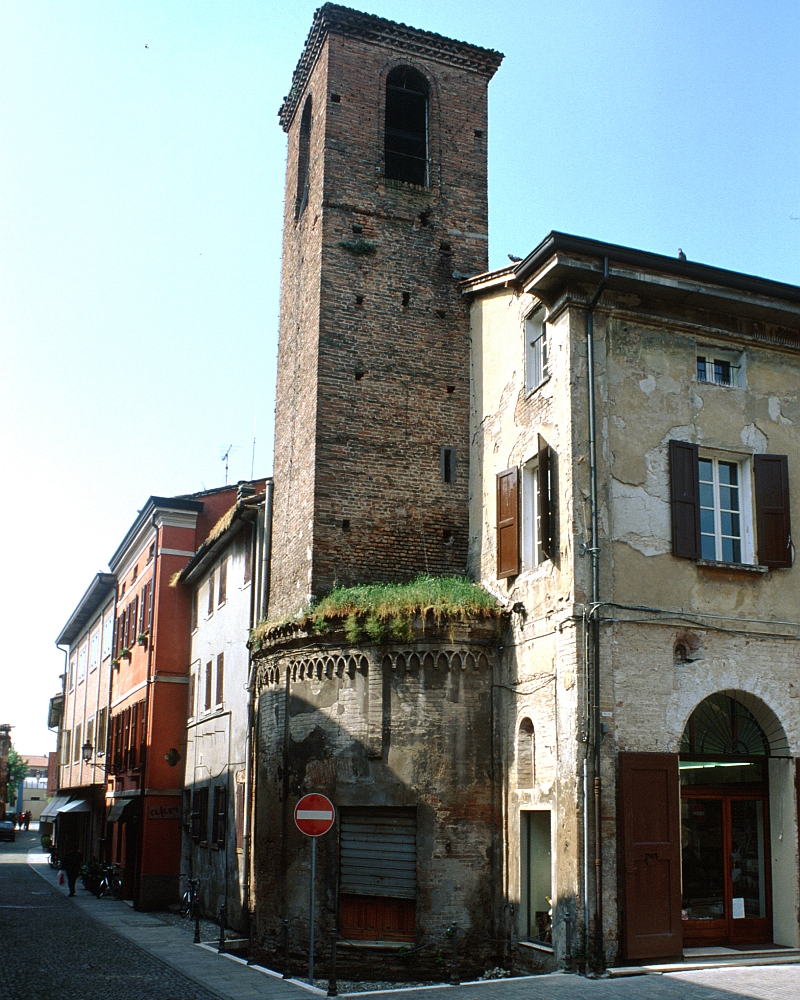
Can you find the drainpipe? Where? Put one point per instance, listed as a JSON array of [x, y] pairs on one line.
[[595, 624]]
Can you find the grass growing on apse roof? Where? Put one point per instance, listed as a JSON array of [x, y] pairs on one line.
[[379, 611], [443, 596]]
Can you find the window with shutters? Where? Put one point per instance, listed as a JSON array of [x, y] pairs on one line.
[[239, 808], [102, 731], [730, 509], [76, 747], [220, 678], [220, 815], [406, 126], [223, 582], [538, 513], [195, 601], [192, 694], [209, 673], [723, 534], [536, 370], [248, 557], [378, 873], [210, 610], [199, 823], [507, 524]]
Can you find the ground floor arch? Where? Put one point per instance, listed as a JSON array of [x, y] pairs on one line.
[[710, 835]]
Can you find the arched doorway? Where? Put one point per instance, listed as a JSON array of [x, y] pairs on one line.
[[725, 854]]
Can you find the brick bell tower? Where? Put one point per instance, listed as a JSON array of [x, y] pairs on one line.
[[386, 208]]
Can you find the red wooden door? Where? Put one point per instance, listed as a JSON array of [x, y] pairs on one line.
[[651, 874]]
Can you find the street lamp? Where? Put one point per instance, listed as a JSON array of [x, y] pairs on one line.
[[86, 752]]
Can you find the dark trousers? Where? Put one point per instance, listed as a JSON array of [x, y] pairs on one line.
[[72, 878]]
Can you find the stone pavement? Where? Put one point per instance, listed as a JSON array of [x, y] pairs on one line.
[[56, 948]]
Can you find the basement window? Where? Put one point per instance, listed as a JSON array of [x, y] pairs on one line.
[[406, 126]]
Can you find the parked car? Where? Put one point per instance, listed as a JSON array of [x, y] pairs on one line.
[[7, 831]]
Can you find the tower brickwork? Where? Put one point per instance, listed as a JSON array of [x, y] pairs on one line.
[[385, 210]]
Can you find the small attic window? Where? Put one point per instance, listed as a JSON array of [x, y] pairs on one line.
[[406, 127], [303, 155]]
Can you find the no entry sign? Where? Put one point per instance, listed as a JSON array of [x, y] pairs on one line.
[[314, 814]]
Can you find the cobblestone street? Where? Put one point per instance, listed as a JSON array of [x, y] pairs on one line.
[[51, 949], [56, 948]]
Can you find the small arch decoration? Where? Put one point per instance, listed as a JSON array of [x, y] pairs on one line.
[[734, 723], [526, 755]]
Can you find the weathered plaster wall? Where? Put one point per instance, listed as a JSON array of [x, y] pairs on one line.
[[216, 738], [542, 659]]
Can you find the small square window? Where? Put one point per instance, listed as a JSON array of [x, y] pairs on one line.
[[536, 369], [719, 368]]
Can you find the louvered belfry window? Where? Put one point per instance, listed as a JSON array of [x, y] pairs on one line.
[[406, 127]]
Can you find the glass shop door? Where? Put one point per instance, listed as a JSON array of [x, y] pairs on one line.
[[725, 870]]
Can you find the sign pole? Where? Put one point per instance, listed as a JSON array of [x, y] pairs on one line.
[[314, 815], [313, 909]]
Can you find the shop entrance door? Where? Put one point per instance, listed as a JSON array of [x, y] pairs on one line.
[[725, 867]]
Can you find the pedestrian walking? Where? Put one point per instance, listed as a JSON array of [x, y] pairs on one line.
[[20, 819], [72, 864], [28, 818]]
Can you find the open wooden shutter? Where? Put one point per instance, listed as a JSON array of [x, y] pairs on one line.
[[685, 492], [772, 510], [508, 523], [651, 873], [545, 499]]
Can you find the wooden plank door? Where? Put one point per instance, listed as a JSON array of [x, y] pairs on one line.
[[651, 872]]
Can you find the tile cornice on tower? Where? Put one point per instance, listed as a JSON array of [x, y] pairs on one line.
[[333, 19]]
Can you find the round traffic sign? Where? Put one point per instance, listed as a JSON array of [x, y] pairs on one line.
[[314, 814]]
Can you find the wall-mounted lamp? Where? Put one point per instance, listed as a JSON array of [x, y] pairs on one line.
[[518, 608], [172, 757]]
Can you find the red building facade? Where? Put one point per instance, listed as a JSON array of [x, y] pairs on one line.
[[149, 689]]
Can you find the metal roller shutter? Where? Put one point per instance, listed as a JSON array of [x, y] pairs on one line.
[[378, 852]]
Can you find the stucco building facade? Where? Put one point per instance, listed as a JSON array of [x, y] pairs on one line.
[[634, 509]]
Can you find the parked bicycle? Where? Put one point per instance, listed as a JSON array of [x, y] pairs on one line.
[[190, 899], [53, 860], [110, 882]]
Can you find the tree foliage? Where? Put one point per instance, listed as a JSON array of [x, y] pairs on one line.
[[17, 771]]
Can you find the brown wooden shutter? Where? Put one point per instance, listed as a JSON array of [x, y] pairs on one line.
[[508, 523], [545, 498], [685, 492], [651, 877], [772, 510]]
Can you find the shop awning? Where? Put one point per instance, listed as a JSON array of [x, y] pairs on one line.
[[76, 806], [116, 811], [53, 807]]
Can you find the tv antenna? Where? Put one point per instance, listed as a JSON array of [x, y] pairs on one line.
[[225, 458]]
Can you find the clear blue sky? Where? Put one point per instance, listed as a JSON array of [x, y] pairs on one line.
[[141, 187]]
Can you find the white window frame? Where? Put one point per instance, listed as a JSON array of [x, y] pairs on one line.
[[744, 463], [108, 636], [532, 555], [94, 650], [712, 355], [537, 369]]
